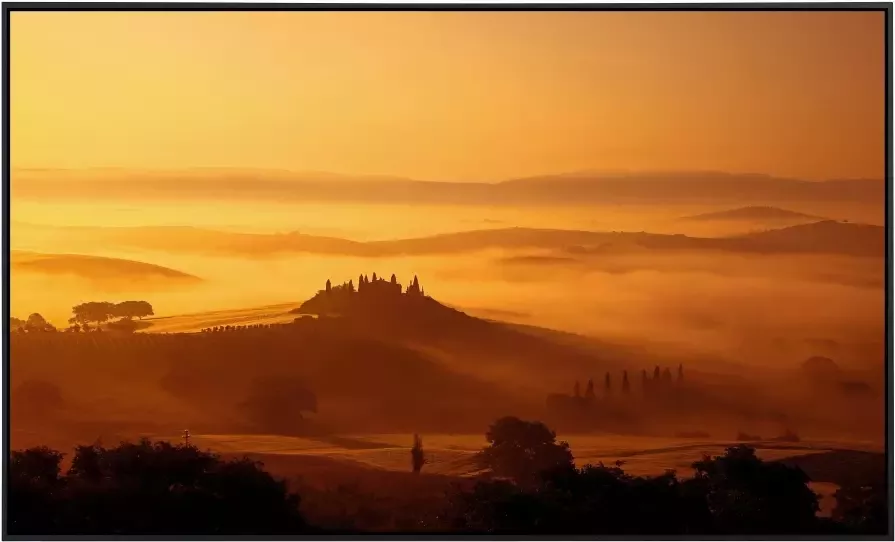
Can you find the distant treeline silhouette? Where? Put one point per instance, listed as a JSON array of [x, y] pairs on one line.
[[97, 312], [661, 380], [85, 314], [35, 323], [659, 394], [246, 327], [661, 385], [532, 486]]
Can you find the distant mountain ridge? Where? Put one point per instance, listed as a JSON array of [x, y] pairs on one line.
[[561, 189], [823, 237], [756, 212]]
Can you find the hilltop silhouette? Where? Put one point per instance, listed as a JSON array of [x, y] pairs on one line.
[[386, 298], [755, 212], [390, 312], [824, 237], [556, 189]]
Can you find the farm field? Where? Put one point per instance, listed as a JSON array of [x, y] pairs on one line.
[[191, 323]]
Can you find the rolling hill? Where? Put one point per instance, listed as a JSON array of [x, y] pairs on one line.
[[413, 365], [827, 236], [94, 267], [558, 189], [823, 237], [755, 213]]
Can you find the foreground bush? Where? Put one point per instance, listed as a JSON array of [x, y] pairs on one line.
[[733, 494], [145, 488]]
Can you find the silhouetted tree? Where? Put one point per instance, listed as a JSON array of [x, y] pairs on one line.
[[864, 508], [607, 384], [734, 494], [589, 391], [33, 482], [680, 372], [626, 386], [374, 276], [329, 286], [132, 309], [747, 495], [656, 374], [417, 455], [351, 286], [394, 279], [520, 450], [16, 324], [37, 323], [93, 311], [146, 489]]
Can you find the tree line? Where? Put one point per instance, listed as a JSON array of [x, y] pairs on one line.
[[660, 380], [84, 314], [98, 312], [537, 489], [35, 323], [532, 486]]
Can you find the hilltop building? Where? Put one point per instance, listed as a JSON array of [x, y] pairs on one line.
[[376, 286]]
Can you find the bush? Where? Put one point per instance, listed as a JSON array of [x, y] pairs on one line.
[[863, 508], [732, 494], [146, 489], [521, 450]]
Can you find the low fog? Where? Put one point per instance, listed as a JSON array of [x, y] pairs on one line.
[[752, 309], [756, 317]]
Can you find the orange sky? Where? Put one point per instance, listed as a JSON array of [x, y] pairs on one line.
[[451, 96]]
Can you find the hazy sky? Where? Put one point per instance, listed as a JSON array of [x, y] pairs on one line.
[[461, 96]]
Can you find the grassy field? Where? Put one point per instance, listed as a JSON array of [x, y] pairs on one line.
[[191, 323], [453, 454]]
